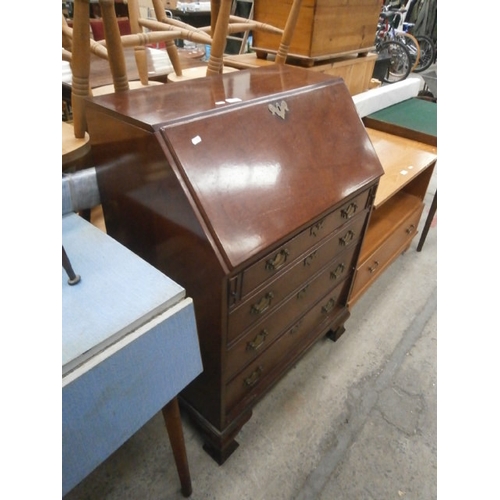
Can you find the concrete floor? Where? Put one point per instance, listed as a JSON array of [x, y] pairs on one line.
[[355, 419]]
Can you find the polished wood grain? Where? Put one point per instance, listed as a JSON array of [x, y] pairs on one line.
[[218, 183]]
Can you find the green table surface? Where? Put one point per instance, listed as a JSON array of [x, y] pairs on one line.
[[413, 118]]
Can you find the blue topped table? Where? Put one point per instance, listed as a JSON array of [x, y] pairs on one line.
[[130, 345]]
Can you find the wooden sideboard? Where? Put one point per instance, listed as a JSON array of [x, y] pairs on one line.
[[252, 190], [398, 205]]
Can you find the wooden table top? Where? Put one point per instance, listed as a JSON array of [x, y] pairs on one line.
[[402, 159]]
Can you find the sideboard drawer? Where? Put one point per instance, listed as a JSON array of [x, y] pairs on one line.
[[256, 306], [259, 337], [250, 381], [283, 256], [383, 256]]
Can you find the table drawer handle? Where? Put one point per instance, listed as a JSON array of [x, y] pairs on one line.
[[375, 265], [338, 271], [258, 341], [347, 238], [254, 377], [278, 260], [411, 229], [348, 212], [263, 304], [328, 307]]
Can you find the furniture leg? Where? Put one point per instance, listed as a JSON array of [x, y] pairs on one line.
[[172, 417], [428, 221]]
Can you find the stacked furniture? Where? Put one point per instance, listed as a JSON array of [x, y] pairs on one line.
[[331, 36], [232, 186], [325, 28]]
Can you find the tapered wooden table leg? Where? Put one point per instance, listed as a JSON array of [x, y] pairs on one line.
[[172, 417], [428, 222]]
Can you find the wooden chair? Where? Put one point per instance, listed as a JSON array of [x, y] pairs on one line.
[[138, 39], [77, 47], [223, 23], [250, 60], [76, 40]]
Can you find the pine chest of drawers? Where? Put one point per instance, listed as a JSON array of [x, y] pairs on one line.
[[252, 190]]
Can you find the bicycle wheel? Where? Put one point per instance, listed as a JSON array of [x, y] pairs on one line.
[[427, 53], [399, 61], [412, 45]]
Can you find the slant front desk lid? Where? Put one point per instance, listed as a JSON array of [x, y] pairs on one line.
[[258, 151]]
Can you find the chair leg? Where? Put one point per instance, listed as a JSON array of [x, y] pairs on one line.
[[172, 417], [428, 221]]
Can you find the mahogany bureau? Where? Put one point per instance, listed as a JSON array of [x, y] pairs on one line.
[[252, 190]]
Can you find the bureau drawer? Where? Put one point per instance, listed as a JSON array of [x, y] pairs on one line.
[[256, 376], [370, 269], [283, 256], [256, 306], [259, 337]]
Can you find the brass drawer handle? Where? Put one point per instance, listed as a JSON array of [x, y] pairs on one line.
[[295, 328], [254, 377], [317, 228], [257, 342], [278, 260], [347, 238], [263, 304], [375, 265], [328, 307], [308, 260], [410, 229], [348, 212], [303, 292], [338, 271]]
